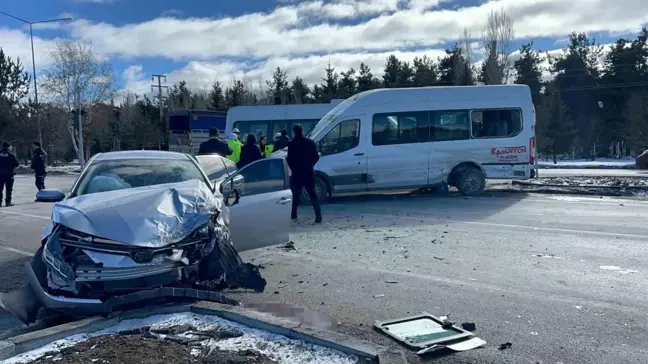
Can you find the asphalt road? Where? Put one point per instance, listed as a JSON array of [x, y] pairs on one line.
[[562, 278]]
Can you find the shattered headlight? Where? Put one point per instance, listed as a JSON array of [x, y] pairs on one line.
[[53, 256]]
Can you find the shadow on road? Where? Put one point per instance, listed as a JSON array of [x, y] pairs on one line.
[[412, 209]]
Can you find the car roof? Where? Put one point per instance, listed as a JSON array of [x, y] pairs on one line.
[[141, 154]]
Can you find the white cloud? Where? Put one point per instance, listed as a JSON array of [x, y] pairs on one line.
[[16, 44], [303, 36], [307, 27]]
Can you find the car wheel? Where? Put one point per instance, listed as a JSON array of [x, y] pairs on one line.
[[38, 266], [471, 182], [321, 190]]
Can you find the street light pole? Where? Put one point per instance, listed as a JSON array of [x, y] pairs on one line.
[[31, 37], [38, 120]]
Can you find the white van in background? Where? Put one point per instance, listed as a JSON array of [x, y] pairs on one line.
[[269, 120], [415, 137]]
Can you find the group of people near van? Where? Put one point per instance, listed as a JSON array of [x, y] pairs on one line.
[[243, 153], [302, 157]]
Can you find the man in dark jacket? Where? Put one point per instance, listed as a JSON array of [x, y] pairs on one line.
[[282, 142], [302, 157], [214, 145], [38, 163], [8, 164]]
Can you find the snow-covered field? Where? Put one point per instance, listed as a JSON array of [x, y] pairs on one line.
[[276, 347], [53, 170], [603, 163]]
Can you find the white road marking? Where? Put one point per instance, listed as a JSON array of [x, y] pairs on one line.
[[17, 251], [512, 226], [5, 211]]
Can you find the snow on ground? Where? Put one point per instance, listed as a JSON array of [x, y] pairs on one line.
[[278, 348], [626, 163], [54, 170]]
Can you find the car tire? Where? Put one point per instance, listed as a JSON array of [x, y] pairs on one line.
[[471, 182], [38, 266], [321, 189]]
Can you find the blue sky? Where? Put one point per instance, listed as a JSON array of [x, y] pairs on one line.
[[202, 41]]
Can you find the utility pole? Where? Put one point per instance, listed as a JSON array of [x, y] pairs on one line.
[[31, 37], [160, 87]]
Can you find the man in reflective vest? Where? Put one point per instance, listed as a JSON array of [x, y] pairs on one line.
[[235, 144]]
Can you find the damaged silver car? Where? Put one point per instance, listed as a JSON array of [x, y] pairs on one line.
[[139, 220]]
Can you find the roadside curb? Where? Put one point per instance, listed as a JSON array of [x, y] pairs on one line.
[[258, 320]]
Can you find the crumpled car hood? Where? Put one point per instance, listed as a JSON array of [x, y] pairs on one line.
[[152, 216]]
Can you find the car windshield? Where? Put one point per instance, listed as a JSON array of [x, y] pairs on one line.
[[113, 175], [214, 166]]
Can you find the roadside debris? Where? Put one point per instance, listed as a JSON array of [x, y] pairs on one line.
[[391, 282], [427, 333], [437, 258], [379, 295], [288, 246], [469, 326], [505, 346]]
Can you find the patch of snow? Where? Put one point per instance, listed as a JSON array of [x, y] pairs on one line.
[[277, 347], [628, 162], [618, 269]]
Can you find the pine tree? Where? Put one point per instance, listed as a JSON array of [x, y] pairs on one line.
[[236, 94], [300, 91], [529, 71], [217, 97], [555, 127], [405, 75], [279, 91], [424, 72], [454, 69], [366, 80], [390, 75], [329, 89], [348, 84]]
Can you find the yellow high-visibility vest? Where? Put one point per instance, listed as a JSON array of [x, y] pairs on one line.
[[268, 150], [236, 150]]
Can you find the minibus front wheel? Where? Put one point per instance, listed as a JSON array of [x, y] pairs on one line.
[[471, 181], [321, 189]]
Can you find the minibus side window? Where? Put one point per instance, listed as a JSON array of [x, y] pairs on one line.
[[496, 123], [344, 136]]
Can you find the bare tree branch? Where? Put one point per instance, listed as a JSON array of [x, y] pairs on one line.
[[497, 39], [78, 79]]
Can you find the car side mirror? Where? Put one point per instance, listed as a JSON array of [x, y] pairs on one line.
[[50, 195], [226, 187], [232, 197]]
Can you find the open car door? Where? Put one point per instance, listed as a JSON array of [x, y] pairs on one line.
[[262, 215]]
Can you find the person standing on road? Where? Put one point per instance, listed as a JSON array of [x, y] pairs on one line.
[[214, 145], [38, 163], [250, 152], [235, 144], [302, 157], [282, 142], [8, 164]]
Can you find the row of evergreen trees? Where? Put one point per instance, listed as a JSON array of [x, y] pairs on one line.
[[590, 101]]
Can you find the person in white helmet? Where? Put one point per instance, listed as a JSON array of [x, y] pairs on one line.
[[238, 134]]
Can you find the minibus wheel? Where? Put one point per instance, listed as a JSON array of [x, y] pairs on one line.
[[321, 189], [471, 182]]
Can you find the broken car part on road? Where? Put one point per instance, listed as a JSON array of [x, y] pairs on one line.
[[427, 333], [111, 244]]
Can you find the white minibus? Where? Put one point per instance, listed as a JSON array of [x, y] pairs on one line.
[[396, 139], [269, 120]]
